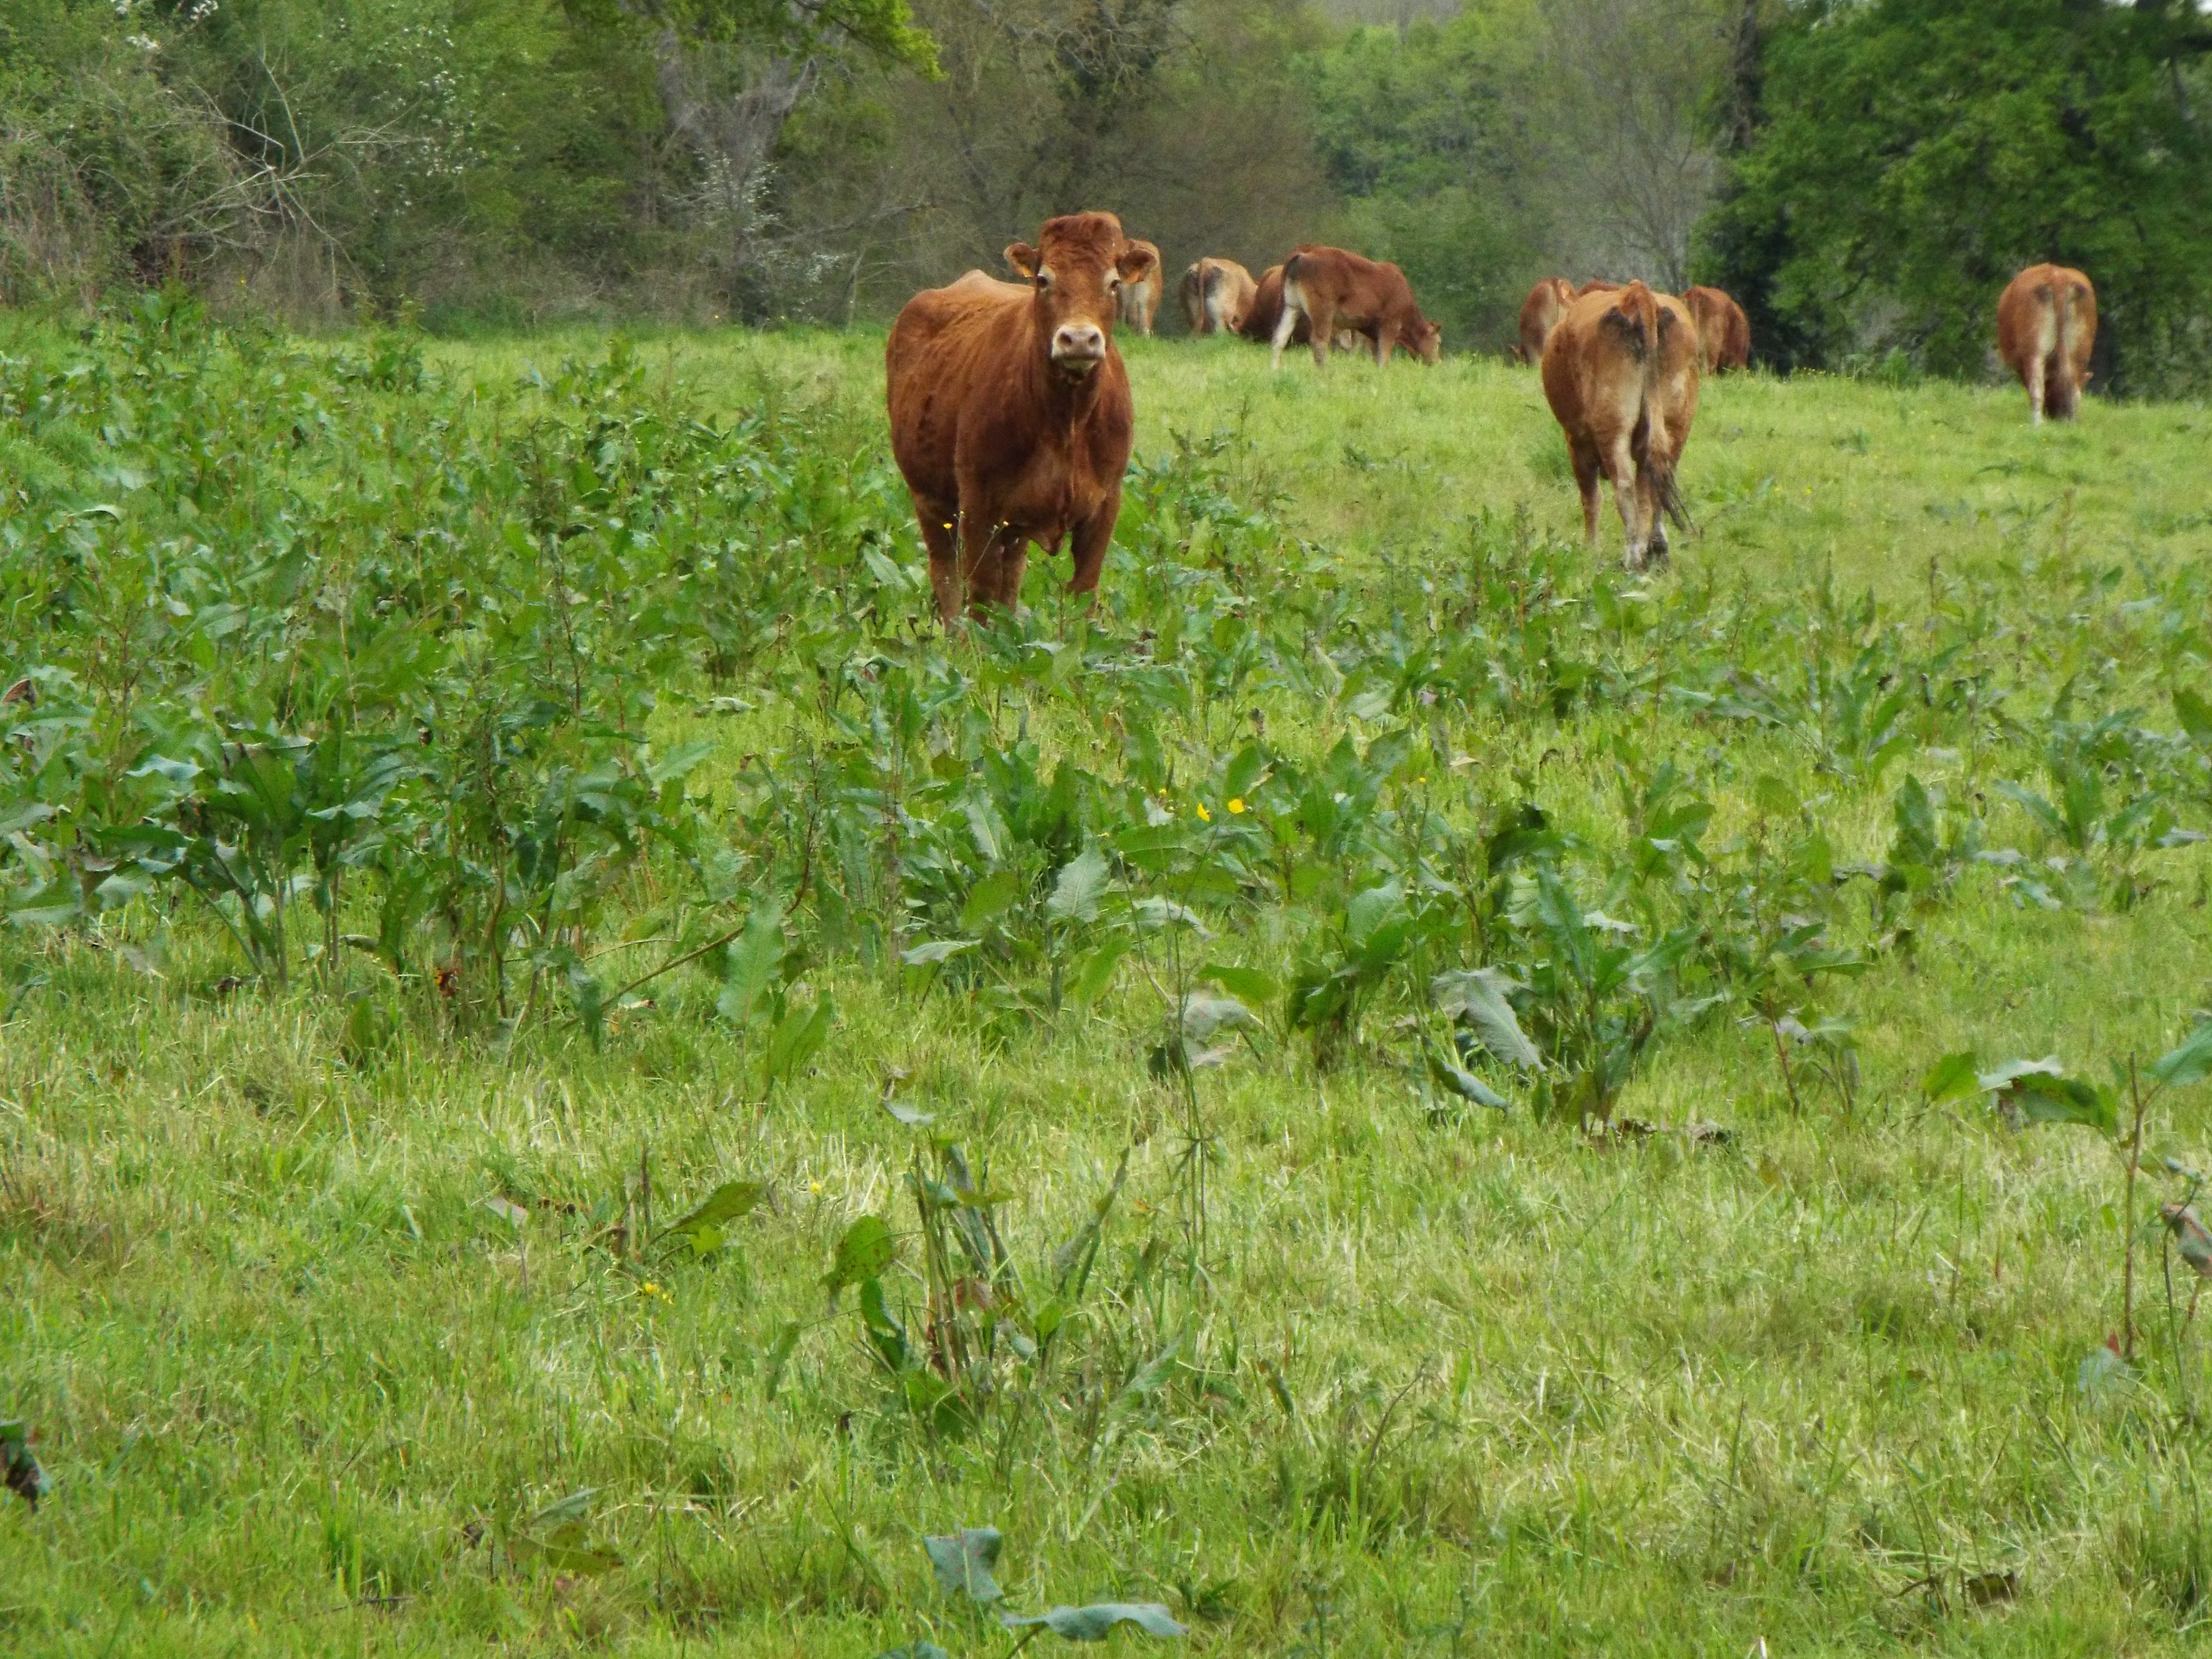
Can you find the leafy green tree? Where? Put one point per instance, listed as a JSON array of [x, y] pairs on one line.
[[1906, 158], [1421, 133]]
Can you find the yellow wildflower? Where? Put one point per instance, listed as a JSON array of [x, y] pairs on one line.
[[1236, 804], [1204, 816]]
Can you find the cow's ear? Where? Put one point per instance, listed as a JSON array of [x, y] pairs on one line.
[[1135, 264], [1024, 260]]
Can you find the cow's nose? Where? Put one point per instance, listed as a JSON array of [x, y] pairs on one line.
[[1079, 344]]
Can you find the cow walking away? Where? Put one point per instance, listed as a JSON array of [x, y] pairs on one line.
[[1539, 314], [1010, 412], [1140, 300], [1217, 295], [1724, 332], [1620, 372], [1333, 289], [2046, 323]]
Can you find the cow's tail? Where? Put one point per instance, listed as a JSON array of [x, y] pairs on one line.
[[1651, 321], [1294, 293], [2062, 395]]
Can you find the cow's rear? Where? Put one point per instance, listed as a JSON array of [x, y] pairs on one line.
[[1334, 291], [1724, 332], [1216, 296], [2047, 327], [1621, 374], [1539, 314]]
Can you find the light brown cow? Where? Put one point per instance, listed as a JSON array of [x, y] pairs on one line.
[[1724, 332], [1140, 300], [1010, 410], [1333, 289], [2046, 324], [1620, 372], [1539, 314], [1216, 296]]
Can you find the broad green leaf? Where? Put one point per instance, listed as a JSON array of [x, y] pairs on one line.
[[1246, 770], [1465, 1084], [799, 1038], [1369, 911], [916, 1650], [2102, 1374], [1478, 995], [2005, 1075], [1774, 798], [965, 1560], [913, 1117], [2041, 1098], [1203, 1016], [1094, 972], [1096, 1622], [2195, 714], [866, 1248], [1081, 884], [755, 959], [1950, 1078], [990, 898], [2189, 1061], [725, 1204], [1250, 983], [936, 951]]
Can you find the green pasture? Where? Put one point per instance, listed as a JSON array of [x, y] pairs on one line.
[[350, 1299]]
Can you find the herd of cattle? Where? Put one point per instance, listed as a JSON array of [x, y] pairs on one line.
[[1012, 421]]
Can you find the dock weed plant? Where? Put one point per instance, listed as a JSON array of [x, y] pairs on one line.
[[573, 1074]]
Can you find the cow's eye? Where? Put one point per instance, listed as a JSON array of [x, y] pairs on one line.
[[1043, 280]]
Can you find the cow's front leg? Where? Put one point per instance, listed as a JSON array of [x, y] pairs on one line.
[[1011, 564], [937, 519], [1089, 542], [979, 553]]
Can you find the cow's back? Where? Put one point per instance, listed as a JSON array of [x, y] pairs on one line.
[[950, 349]]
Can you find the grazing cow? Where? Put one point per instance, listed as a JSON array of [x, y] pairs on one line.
[[1539, 314], [1216, 296], [1010, 410], [2046, 323], [1620, 372], [1333, 289], [1141, 299], [1724, 332]]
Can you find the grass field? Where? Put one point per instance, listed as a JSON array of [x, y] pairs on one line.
[[335, 1262]]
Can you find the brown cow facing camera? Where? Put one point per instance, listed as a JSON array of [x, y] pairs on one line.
[[1620, 372], [1140, 300], [1724, 332], [2046, 323], [1334, 290], [1539, 314], [1216, 296], [1010, 410]]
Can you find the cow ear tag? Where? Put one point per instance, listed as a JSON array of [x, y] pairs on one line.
[[1023, 259]]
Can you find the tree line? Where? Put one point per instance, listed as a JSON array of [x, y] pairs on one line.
[[1863, 174]]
